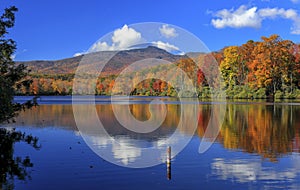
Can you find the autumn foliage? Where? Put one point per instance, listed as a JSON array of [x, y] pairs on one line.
[[269, 68]]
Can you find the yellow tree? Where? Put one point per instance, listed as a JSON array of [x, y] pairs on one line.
[[230, 66]]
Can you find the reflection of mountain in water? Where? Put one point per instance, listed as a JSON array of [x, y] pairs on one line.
[[61, 116], [268, 130]]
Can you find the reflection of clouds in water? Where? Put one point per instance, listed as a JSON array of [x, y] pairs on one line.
[[162, 142], [252, 170], [101, 141], [241, 170], [124, 149], [127, 150]]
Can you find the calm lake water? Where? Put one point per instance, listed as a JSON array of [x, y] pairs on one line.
[[258, 147]]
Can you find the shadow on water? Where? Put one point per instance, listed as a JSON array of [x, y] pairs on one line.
[[14, 167]]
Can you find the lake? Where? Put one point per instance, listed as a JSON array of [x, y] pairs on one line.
[[257, 146]]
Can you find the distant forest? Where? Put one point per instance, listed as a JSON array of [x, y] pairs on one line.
[[269, 68]]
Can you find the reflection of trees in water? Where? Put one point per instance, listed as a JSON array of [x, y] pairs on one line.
[[270, 131], [11, 167]]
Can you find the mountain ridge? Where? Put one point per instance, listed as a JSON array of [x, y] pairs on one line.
[[116, 64]]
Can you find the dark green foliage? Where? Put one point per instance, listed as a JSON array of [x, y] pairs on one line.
[[14, 167], [11, 75]]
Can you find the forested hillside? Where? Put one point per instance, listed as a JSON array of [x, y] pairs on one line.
[[269, 68]]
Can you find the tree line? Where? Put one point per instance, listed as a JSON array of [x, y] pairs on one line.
[[269, 68]]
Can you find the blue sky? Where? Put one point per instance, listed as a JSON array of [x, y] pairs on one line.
[[49, 30]]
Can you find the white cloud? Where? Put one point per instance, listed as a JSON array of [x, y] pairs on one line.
[[253, 17], [126, 37], [102, 46], [289, 14], [122, 39], [167, 31], [242, 17], [166, 46], [275, 12], [295, 1], [78, 54]]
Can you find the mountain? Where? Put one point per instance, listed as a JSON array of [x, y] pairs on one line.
[[116, 64]]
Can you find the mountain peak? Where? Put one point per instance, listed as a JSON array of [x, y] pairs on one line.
[[148, 48], [154, 48]]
